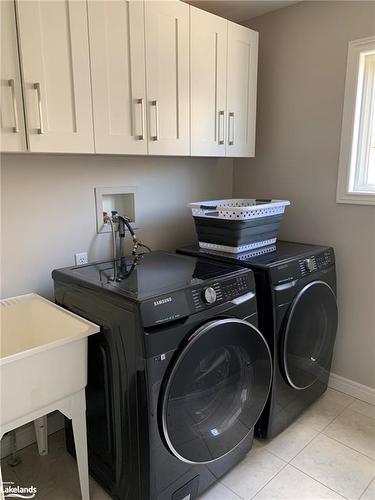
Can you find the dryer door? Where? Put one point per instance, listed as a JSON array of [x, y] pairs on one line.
[[215, 390], [309, 335]]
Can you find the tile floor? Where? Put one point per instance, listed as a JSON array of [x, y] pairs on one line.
[[328, 453]]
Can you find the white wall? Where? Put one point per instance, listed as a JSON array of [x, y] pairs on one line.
[[302, 64], [48, 208]]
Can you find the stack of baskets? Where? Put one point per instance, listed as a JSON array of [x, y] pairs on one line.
[[237, 225]]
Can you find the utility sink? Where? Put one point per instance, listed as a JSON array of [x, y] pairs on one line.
[[43, 354]]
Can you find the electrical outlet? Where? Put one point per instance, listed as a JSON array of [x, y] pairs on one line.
[[80, 258]]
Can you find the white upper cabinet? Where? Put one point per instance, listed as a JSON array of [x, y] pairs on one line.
[[126, 77], [12, 116], [167, 70], [116, 30], [241, 90], [54, 55], [208, 77], [223, 80], [140, 76]]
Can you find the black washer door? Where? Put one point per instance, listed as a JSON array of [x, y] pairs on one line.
[[309, 335], [216, 390]]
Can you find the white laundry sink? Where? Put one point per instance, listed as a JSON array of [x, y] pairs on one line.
[[43, 354]]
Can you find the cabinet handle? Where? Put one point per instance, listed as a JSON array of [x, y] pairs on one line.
[[231, 140], [142, 134], [219, 130], [39, 95], [11, 84], [156, 105]]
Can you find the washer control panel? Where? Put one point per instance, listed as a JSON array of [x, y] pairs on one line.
[[220, 291], [235, 287]]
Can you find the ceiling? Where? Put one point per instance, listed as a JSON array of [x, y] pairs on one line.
[[240, 10]]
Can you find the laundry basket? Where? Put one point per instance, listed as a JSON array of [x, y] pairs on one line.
[[237, 225]]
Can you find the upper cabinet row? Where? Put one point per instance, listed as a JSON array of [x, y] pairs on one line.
[[126, 77]]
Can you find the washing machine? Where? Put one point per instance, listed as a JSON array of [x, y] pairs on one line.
[[178, 375], [296, 291]]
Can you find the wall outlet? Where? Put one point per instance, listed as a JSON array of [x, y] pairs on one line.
[[80, 258]]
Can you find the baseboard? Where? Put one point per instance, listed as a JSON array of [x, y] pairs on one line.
[[25, 435], [352, 388]]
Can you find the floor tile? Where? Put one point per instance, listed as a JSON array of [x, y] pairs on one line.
[[259, 443], [71, 491], [369, 494], [42, 471], [290, 442], [335, 465], [255, 470], [293, 484], [57, 480], [355, 430], [8, 474], [321, 413], [219, 492], [363, 408], [54, 475], [97, 492], [323, 466]]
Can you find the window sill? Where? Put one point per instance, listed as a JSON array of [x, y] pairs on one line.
[[356, 198]]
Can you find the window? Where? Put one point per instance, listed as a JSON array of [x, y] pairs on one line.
[[356, 181]]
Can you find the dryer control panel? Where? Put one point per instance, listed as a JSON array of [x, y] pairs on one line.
[[285, 272], [316, 262]]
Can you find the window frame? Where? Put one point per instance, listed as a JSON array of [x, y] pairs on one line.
[[346, 175]]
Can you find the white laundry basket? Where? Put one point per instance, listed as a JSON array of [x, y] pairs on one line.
[[237, 225]]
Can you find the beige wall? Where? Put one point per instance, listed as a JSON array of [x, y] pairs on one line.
[[48, 208], [302, 64]]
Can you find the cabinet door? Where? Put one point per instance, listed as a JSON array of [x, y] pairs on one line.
[[167, 68], [13, 137], [117, 55], [241, 90], [208, 76], [55, 62]]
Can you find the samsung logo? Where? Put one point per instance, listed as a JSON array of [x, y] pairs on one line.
[[162, 301], [282, 267]]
